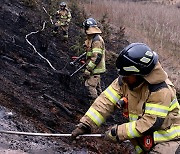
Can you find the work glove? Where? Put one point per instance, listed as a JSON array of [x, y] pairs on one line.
[[111, 134], [87, 74], [81, 128]]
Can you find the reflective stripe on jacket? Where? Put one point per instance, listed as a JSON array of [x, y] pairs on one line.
[[64, 16], [95, 50], [145, 109]]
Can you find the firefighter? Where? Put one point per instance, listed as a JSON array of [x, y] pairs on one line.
[[95, 58], [144, 90], [63, 16]]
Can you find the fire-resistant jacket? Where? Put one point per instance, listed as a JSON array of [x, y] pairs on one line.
[[63, 16], [95, 54], [153, 108]]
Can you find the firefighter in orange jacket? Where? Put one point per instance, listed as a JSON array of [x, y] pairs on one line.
[[63, 16], [153, 108], [95, 58]]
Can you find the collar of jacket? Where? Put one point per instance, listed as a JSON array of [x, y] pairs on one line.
[[90, 36], [65, 9], [93, 30], [157, 75]]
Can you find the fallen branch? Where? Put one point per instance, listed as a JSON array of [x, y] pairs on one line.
[[59, 104], [8, 58], [36, 66]]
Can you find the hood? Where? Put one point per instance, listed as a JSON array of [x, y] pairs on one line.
[[157, 75], [93, 30]]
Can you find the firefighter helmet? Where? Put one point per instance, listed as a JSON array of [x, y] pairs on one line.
[[90, 22], [90, 26], [136, 59], [63, 4]]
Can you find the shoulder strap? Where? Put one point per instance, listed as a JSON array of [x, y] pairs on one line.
[[156, 87], [67, 10], [120, 80], [96, 38]]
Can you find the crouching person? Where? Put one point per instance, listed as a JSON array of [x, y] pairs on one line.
[[144, 90]]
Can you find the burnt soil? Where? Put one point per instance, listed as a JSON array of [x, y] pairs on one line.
[[27, 82]]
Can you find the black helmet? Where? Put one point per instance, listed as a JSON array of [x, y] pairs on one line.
[[90, 22], [136, 59], [63, 4]]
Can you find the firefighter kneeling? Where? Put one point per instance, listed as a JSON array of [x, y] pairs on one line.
[[151, 104]]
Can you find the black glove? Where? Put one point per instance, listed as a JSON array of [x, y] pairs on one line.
[[111, 134], [80, 129]]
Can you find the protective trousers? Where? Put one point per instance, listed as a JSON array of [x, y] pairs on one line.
[[93, 85], [171, 147], [63, 28]]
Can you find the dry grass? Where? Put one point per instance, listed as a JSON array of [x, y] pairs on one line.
[[160, 22], [151, 23]]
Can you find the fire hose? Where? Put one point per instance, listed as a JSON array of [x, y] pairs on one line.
[[43, 27], [47, 134], [35, 48], [51, 135]]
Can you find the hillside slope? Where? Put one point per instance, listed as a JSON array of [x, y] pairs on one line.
[[28, 82], [26, 79]]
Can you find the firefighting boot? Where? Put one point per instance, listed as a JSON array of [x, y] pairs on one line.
[[65, 36], [55, 31]]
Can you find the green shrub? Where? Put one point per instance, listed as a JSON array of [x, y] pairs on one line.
[[106, 28], [78, 13]]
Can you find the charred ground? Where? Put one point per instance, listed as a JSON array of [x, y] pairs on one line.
[[26, 80]]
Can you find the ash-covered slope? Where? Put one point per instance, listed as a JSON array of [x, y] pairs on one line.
[[27, 81]]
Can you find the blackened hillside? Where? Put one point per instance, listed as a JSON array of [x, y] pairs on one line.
[[27, 82]]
